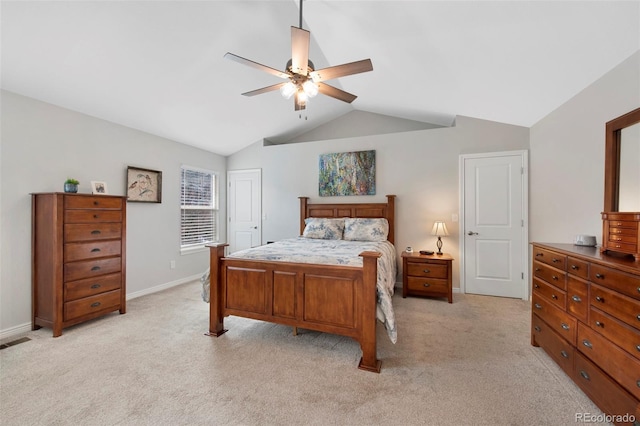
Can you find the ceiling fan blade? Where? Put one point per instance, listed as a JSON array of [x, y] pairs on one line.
[[329, 73], [299, 50], [264, 90], [256, 65], [334, 92]]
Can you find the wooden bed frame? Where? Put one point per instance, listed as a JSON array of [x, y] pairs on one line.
[[327, 298]]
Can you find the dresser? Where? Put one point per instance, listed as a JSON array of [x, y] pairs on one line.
[[427, 275], [78, 258], [586, 316]]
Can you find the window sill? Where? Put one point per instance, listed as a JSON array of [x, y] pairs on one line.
[[193, 250]]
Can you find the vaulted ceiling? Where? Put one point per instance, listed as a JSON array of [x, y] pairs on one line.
[[158, 66]]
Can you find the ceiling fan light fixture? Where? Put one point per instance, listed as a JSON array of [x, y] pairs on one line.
[[310, 88], [288, 90]]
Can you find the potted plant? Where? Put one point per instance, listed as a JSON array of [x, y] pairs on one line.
[[71, 185]]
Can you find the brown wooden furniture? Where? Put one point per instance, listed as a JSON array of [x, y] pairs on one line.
[[620, 230], [78, 258], [326, 298], [586, 316], [427, 275]]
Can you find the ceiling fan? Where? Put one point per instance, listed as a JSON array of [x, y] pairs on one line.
[[303, 80]]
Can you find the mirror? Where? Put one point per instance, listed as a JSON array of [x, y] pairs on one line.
[[622, 164]]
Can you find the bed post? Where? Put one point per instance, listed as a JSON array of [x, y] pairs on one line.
[[391, 217], [369, 360], [216, 317], [303, 212]]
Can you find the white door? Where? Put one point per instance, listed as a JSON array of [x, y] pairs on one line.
[[493, 229], [244, 208]]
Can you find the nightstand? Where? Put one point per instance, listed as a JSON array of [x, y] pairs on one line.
[[426, 275]]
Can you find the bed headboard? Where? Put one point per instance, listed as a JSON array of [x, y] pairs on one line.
[[385, 210]]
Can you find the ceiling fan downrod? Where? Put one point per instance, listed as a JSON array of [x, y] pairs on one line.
[[300, 15]]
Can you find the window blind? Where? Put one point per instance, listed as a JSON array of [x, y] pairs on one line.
[[199, 207]]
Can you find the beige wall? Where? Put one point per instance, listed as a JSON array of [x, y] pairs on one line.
[[42, 145], [566, 193]]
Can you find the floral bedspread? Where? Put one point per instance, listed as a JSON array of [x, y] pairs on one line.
[[332, 252]]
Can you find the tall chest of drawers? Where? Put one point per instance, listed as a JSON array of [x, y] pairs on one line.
[[78, 258], [586, 316]]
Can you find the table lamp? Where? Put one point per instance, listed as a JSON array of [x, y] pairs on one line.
[[439, 230]]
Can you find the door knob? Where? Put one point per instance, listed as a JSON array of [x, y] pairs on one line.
[[472, 233]]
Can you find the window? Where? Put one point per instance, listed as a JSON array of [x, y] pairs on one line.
[[199, 208]]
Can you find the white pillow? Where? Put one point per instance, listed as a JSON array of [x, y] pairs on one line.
[[323, 228], [366, 229]]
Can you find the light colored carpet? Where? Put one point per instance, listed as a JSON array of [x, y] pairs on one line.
[[466, 363]]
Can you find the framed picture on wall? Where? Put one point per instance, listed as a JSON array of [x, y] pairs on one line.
[[144, 185]]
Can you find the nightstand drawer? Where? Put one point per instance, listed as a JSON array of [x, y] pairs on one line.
[[428, 286], [431, 270]]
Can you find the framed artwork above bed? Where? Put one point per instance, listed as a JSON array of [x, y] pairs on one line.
[[347, 173]]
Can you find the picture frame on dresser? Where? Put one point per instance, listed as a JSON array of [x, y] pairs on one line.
[[99, 188], [144, 185]]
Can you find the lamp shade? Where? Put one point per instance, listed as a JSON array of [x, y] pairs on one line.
[[439, 229]]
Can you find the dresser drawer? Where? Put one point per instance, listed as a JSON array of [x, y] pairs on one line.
[[621, 366], [92, 232], [91, 286], [608, 395], [560, 321], [423, 269], [622, 224], [428, 286], [616, 280], [559, 349], [89, 305], [552, 293], [615, 304], [92, 216], [91, 250], [628, 338], [578, 267], [621, 247], [97, 202], [550, 258], [549, 274], [578, 298], [91, 268]]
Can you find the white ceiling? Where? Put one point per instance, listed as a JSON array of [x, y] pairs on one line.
[[158, 66]]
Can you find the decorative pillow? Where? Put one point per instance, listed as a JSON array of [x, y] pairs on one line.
[[365, 229], [323, 228]]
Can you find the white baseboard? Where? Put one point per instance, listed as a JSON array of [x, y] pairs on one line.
[[25, 328], [162, 286], [15, 331]]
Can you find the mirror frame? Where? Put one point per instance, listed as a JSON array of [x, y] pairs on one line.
[[612, 157]]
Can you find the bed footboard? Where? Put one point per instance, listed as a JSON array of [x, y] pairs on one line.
[[327, 298]]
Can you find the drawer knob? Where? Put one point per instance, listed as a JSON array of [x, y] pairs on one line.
[[584, 375], [427, 271], [539, 254], [95, 304], [95, 268], [426, 285], [564, 326], [95, 250], [638, 317], [554, 277], [574, 267], [638, 348], [638, 383], [638, 289], [587, 344], [538, 306], [554, 297], [96, 285], [554, 260], [600, 276], [600, 299], [95, 232], [536, 286], [564, 354], [599, 324], [537, 269], [576, 299], [95, 203], [538, 329]]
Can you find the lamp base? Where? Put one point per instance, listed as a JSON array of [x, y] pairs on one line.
[[439, 245]]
